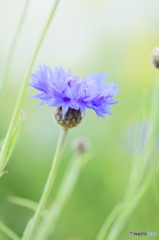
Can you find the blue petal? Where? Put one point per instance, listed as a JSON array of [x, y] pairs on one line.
[[65, 107]]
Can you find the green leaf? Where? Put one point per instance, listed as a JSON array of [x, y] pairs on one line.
[[108, 222], [2, 173], [1, 143], [8, 231], [5, 155], [23, 202]]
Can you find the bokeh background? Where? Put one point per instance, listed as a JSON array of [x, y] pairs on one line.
[[88, 36]]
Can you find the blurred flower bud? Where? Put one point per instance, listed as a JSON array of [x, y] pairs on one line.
[[155, 57], [81, 145], [71, 119]]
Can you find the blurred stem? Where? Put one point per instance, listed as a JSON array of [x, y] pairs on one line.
[[129, 208], [22, 202], [138, 169], [18, 105], [12, 140], [12, 49], [141, 160], [47, 226], [30, 229], [25, 203], [155, 192], [141, 117], [108, 222], [8, 232]]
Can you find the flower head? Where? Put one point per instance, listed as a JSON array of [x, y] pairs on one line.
[[61, 89], [81, 145]]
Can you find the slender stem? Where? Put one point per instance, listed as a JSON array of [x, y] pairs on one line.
[[28, 234], [129, 208], [141, 164], [138, 183], [141, 159], [23, 202], [22, 91], [12, 49], [27, 203], [47, 226], [108, 222], [9, 232]]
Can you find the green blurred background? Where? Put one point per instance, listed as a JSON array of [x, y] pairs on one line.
[[88, 36]]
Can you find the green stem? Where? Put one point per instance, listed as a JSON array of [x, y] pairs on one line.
[[138, 169], [108, 222], [115, 230], [129, 208], [47, 226], [29, 232], [22, 92], [12, 49], [141, 160], [23, 202], [8, 232]]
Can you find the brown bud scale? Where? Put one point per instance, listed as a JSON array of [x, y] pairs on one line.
[[71, 119]]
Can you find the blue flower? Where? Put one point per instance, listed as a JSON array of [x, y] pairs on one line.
[[60, 88]]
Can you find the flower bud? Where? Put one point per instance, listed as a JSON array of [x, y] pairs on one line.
[[71, 119], [81, 145], [155, 57]]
